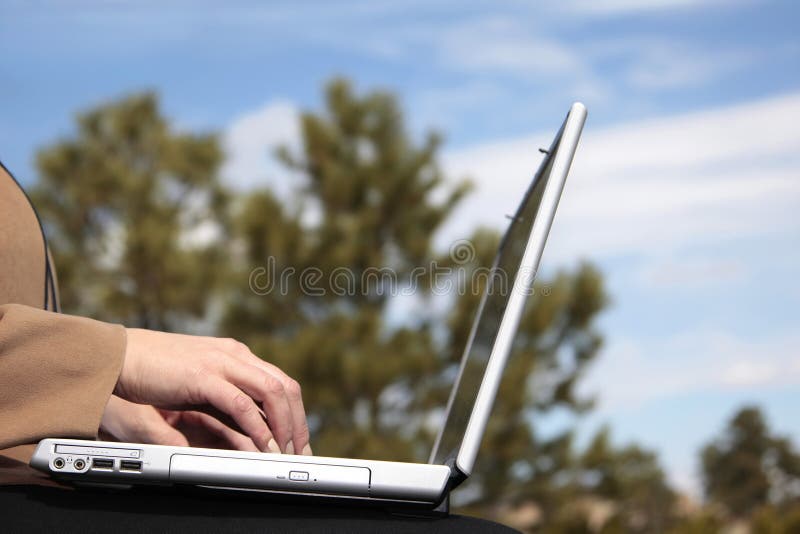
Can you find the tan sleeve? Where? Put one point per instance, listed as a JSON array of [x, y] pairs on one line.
[[56, 373]]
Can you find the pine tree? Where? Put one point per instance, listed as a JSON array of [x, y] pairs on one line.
[[748, 467], [131, 209], [371, 190], [631, 478]]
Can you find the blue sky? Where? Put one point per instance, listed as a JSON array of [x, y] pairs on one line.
[[685, 189]]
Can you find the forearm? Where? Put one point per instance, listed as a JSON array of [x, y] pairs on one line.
[[56, 373]]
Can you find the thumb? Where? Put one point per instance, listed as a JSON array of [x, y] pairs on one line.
[[127, 421], [152, 427], [161, 433]]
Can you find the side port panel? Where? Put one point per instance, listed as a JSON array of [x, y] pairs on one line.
[[269, 474]]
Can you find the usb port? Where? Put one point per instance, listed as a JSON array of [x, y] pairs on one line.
[[102, 463], [130, 465]]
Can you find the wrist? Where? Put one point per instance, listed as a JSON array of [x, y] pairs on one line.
[[127, 370]]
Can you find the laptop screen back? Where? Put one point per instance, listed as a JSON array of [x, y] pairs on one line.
[[506, 277]]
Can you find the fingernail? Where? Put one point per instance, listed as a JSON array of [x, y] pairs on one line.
[[290, 448], [307, 451], [273, 446]]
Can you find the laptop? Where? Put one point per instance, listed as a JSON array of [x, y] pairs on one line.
[[425, 486]]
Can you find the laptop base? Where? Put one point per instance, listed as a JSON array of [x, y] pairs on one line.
[[412, 510]]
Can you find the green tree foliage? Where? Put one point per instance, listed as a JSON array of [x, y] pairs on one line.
[[701, 522], [122, 200], [370, 190], [783, 519], [604, 488], [631, 478], [748, 467]]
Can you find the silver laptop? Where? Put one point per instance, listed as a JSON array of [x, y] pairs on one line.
[[453, 457]]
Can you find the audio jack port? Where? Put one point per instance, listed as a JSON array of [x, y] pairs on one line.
[[79, 464], [58, 463]]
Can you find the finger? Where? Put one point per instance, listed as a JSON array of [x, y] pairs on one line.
[[300, 434], [213, 413], [170, 416], [153, 428], [233, 401], [127, 421], [300, 431], [270, 391], [230, 437], [219, 415], [162, 433]]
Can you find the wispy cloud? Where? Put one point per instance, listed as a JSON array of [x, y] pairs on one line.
[[660, 64], [635, 372], [505, 45], [691, 273], [619, 7], [250, 143], [653, 186]]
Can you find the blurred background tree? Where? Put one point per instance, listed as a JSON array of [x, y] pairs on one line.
[[630, 480], [146, 233], [748, 467], [369, 190], [134, 212]]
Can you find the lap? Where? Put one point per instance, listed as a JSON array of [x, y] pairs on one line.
[[175, 509]]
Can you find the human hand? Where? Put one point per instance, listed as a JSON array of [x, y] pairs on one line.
[[142, 423], [219, 377]]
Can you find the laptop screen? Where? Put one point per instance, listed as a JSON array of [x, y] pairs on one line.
[[500, 285]]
